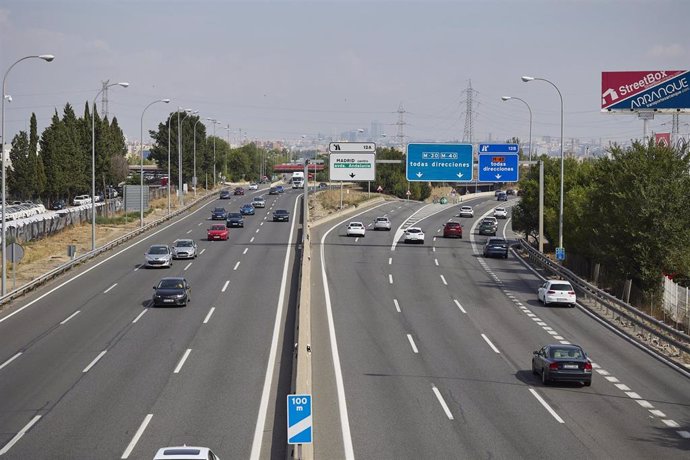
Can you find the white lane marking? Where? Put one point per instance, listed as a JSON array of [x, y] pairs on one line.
[[199, 225], [236, 265], [356, 239], [671, 423], [658, 413], [188, 265], [69, 318], [459, 306], [443, 402], [443, 278], [139, 316], [433, 249], [225, 286], [621, 386], [436, 262], [210, 312], [605, 372], [202, 251], [19, 435], [265, 393], [612, 379], [245, 251], [252, 240], [107, 290], [190, 231], [93, 363], [493, 347], [182, 361], [545, 404], [543, 324], [412, 344], [390, 261], [390, 279], [257, 231], [553, 332], [261, 223], [137, 435], [397, 305], [138, 267], [684, 434], [6, 363], [633, 395], [565, 342], [645, 404], [558, 337]]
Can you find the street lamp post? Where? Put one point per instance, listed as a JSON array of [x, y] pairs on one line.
[[47, 58], [168, 181], [507, 98], [225, 164], [194, 180], [215, 122], [124, 84], [141, 171], [560, 211]]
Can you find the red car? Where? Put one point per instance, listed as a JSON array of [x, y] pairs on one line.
[[452, 230], [239, 191], [217, 232]]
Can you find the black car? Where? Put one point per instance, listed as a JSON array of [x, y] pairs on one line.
[[219, 214], [224, 195], [172, 291], [503, 196], [57, 205], [562, 363], [281, 215], [273, 191], [496, 247], [234, 219], [487, 227]]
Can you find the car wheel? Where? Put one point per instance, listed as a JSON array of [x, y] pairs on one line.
[[534, 369], [505, 256], [544, 378], [587, 383]]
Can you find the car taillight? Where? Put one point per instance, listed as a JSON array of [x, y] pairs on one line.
[[588, 367], [571, 292], [550, 292], [553, 366]]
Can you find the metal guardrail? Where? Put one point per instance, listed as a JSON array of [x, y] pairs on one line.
[[22, 290], [660, 336]]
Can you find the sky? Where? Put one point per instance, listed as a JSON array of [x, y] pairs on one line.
[[280, 70]]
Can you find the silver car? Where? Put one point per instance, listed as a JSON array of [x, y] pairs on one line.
[[382, 223], [259, 202], [159, 255], [184, 249]]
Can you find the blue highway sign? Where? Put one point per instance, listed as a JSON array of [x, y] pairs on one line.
[[299, 419], [499, 165], [439, 163]]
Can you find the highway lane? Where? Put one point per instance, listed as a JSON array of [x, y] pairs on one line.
[[219, 383], [460, 346]]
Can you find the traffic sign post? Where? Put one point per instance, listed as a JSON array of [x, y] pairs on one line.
[[299, 424], [498, 163], [439, 163], [352, 161], [560, 254]]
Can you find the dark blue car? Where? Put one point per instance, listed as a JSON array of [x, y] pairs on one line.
[[219, 214], [247, 210], [234, 219]]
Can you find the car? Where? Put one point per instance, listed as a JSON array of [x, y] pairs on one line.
[[466, 211], [413, 235], [185, 453], [80, 200], [219, 214], [496, 247], [280, 189], [323, 185], [224, 195], [253, 186], [502, 196], [239, 191], [57, 205], [556, 292], [510, 191], [497, 192], [234, 219], [172, 291], [298, 183], [452, 230], [281, 215], [159, 255], [500, 213], [259, 202], [562, 363], [217, 232], [382, 223], [487, 227], [273, 191], [184, 248], [247, 210], [356, 229]]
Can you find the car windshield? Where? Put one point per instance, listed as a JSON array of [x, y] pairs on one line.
[[184, 244], [565, 353], [502, 242], [158, 250], [217, 227], [452, 225], [171, 284], [382, 219], [561, 287]]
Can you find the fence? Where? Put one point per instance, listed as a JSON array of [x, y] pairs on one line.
[[675, 303]]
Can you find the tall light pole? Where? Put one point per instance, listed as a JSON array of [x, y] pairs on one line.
[[560, 211], [124, 84], [47, 58], [194, 180], [141, 170], [215, 122], [225, 164], [168, 181], [179, 154], [507, 98]]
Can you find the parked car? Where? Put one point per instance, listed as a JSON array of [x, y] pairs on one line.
[[224, 195], [219, 214], [80, 200], [172, 291], [466, 211], [281, 215], [356, 229], [159, 255], [500, 213], [259, 202], [562, 363], [557, 292], [382, 223], [57, 205], [247, 210], [217, 232], [452, 230], [414, 235], [496, 247], [184, 248]]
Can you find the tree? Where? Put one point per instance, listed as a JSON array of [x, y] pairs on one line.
[[19, 176], [35, 160]]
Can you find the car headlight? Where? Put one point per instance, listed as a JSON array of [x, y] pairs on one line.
[[179, 296]]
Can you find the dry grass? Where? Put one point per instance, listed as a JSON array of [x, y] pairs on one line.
[[327, 202]]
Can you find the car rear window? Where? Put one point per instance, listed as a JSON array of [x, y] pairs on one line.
[[560, 353], [561, 287], [452, 225]]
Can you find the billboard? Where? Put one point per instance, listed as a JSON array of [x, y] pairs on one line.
[[657, 90]]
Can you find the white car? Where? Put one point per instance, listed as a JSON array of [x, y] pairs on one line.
[[500, 213], [414, 235], [466, 211], [253, 186], [80, 200], [185, 453], [382, 223], [159, 255], [356, 229], [557, 292], [259, 202], [184, 249]]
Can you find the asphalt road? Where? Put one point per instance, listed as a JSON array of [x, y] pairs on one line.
[[89, 370], [424, 351]]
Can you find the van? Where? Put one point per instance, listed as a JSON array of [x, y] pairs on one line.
[[80, 200], [297, 183]]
